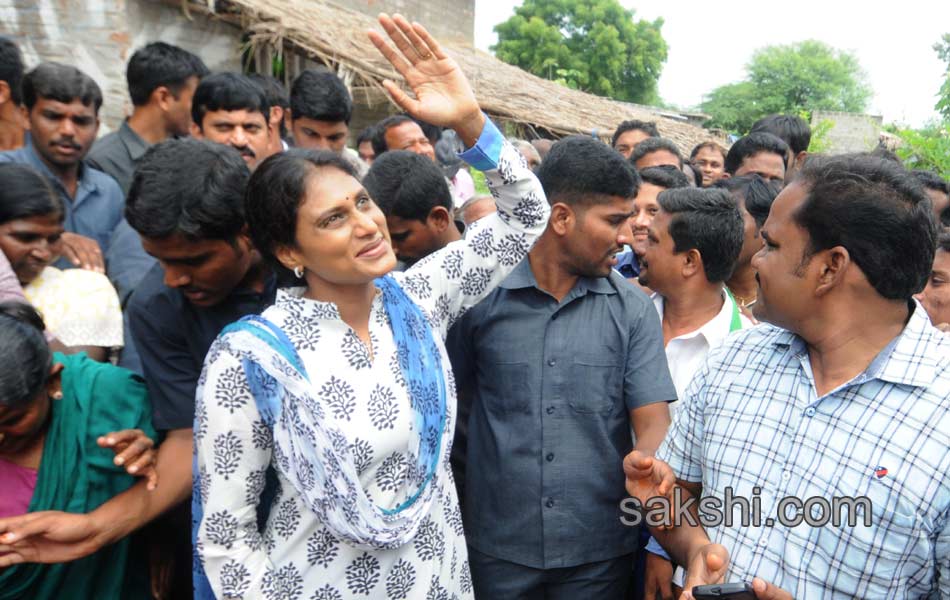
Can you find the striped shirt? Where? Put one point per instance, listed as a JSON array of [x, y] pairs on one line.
[[752, 421]]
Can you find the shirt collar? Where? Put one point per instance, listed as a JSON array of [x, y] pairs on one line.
[[907, 359], [85, 183], [523, 277], [133, 142], [714, 330]]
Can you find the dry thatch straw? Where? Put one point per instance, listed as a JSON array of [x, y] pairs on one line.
[[336, 36]]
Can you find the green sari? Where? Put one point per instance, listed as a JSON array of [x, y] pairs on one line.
[[77, 476]]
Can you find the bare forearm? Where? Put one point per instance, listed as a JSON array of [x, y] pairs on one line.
[[682, 540], [137, 506], [649, 424]]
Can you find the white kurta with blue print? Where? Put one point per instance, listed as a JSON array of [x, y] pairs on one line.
[[296, 556]]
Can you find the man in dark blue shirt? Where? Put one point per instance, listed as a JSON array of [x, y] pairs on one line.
[[63, 104], [560, 362]]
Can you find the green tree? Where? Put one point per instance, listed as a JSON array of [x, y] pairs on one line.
[[590, 45], [942, 49], [790, 79]]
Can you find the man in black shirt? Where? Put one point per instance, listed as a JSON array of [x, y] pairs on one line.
[[187, 204]]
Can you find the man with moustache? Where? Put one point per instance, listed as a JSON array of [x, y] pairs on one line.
[[560, 362], [653, 180], [840, 394], [230, 109], [62, 105]]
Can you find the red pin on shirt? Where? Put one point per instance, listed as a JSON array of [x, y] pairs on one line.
[[880, 472]]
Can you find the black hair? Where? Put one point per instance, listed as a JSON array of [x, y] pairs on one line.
[[943, 241], [159, 64], [366, 135], [190, 187], [25, 193], [407, 185], [709, 221], [24, 353], [432, 132], [11, 68], [275, 192], [62, 83], [228, 91], [878, 211], [931, 180], [380, 129], [709, 144], [580, 170], [320, 95], [751, 145], [276, 96], [647, 127], [756, 193], [664, 176], [883, 152], [791, 129], [655, 144]]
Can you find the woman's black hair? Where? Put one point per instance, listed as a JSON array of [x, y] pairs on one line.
[[24, 354], [275, 192], [24, 193]]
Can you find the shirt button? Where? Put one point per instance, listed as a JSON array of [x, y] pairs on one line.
[[550, 456], [551, 362], [763, 542], [786, 475], [550, 410], [549, 503], [810, 411]]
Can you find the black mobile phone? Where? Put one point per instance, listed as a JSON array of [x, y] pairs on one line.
[[729, 591]]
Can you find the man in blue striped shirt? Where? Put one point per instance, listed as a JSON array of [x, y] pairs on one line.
[[834, 415]]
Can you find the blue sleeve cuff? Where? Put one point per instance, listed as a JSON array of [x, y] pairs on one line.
[[486, 152], [654, 547]]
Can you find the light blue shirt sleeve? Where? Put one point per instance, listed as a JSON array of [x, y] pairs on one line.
[[486, 152], [654, 547]]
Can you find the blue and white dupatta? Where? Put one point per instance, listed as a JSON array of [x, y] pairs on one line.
[[313, 455]]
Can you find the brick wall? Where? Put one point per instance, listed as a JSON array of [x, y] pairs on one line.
[[98, 36]]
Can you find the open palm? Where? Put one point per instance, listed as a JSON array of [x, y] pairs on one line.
[[443, 95]]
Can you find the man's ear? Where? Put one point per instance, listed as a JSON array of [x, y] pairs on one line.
[[800, 159], [833, 265], [563, 218], [163, 97], [439, 218], [726, 175], [5, 95], [196, 131], [692, 263]]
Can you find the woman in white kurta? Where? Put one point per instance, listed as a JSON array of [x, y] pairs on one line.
[[339, 326]]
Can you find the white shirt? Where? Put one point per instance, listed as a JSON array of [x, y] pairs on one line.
[[686, 353]]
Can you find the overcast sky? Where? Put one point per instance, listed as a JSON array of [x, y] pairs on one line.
[[710, 43]]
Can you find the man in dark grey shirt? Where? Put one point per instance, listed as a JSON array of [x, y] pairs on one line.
[[162, 79], [559, 363]]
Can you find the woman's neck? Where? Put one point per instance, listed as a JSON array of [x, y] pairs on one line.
[[354, 302], [29, 455]]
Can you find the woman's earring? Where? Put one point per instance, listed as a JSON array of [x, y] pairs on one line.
[[298, 272], [57, 395]]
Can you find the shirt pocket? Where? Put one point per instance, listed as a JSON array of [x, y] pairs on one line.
[[505, 390], [597, 387], [880, 551]]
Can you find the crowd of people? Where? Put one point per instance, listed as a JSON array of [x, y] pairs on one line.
[[245, 360]]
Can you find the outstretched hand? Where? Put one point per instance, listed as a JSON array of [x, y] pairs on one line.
[[47, 537], [648, 478], [443, 94]]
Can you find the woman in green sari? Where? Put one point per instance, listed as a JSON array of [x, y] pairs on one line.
[[56, 453]]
